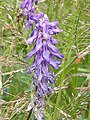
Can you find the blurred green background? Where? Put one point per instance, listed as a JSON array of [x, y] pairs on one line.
[[71, 100]]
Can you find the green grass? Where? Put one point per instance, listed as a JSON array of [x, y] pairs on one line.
[[71, 100]]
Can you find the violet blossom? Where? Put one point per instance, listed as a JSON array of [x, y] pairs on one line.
[[29, 12], [46, 54]]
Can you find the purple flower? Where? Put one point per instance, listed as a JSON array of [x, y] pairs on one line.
[[45, 53], [28, 4], [29, 12]]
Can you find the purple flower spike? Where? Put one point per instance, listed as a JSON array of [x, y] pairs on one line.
[[45, 53]]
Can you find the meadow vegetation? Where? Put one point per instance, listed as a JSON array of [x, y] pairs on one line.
[[71, 100]]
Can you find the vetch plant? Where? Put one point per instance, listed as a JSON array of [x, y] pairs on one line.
[[46, 55]]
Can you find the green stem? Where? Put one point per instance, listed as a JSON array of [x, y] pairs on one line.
[[29, 116]]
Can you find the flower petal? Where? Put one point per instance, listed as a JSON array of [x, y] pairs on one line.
[[39, 58], [36, 48], [31, 39], [23, 4], [55, 63], [39, 74], [45, 68], [38, 45], [29, 4], [52, 47], [46, 55], [54, 30], [53, 24], [54, 41], [51, 77], [28, 26], [58, 55], [30, 54]]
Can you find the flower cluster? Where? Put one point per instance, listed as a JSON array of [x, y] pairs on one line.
[[45, 53], [29, 11]]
